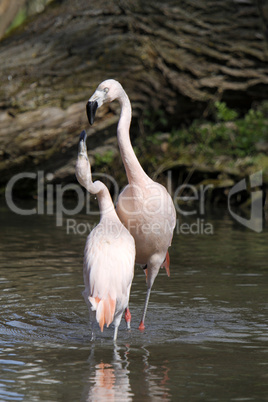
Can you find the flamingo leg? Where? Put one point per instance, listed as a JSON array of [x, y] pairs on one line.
[[92, 331], [127, 317], [142, 326], [115, 333], [165, 264]]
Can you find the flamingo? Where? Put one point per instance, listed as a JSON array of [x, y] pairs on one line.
[[109, 255], [144, 206]]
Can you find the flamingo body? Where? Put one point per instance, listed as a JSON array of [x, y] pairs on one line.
[[144, 206], [146, 219], [108, 271], [109, 255]]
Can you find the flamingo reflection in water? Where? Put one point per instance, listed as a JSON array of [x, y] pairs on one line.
[[109, 381], [126, 374]]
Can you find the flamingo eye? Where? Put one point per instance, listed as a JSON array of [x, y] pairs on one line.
[[106, 90]]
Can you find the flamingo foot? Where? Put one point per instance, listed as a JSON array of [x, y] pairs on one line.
[[142, 326], [127, 317]]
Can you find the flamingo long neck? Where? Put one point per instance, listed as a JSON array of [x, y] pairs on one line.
[[133, 168], [105, 202]]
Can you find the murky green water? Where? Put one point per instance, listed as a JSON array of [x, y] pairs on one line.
[[206, 336]]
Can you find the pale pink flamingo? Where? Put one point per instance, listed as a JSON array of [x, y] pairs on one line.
[[144, 206], [109, 255]]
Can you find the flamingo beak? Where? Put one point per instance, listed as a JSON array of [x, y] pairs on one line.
[[82, 148], [91, 111]]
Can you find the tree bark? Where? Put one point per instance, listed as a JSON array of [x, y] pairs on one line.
[[174, 56]]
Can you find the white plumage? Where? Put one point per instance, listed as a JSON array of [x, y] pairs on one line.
[[109, 254]]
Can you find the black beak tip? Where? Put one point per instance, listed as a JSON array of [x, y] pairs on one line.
[[83, 136], [91, 109]]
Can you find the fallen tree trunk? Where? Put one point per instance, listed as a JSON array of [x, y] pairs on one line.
[[173, 56]]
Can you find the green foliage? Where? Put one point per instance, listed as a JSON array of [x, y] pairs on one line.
[[154, 120], [104, 159], [18, 20], [229, 135], [252, 129], [31, 7], [226, 138], [223, 113]]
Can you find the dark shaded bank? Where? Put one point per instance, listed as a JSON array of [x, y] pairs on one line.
[[176, 62]]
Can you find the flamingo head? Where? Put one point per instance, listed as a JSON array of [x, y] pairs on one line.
[[82, 147], [107, 91], [82, 169]]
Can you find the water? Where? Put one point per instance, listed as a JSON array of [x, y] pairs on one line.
[[206, 336]]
